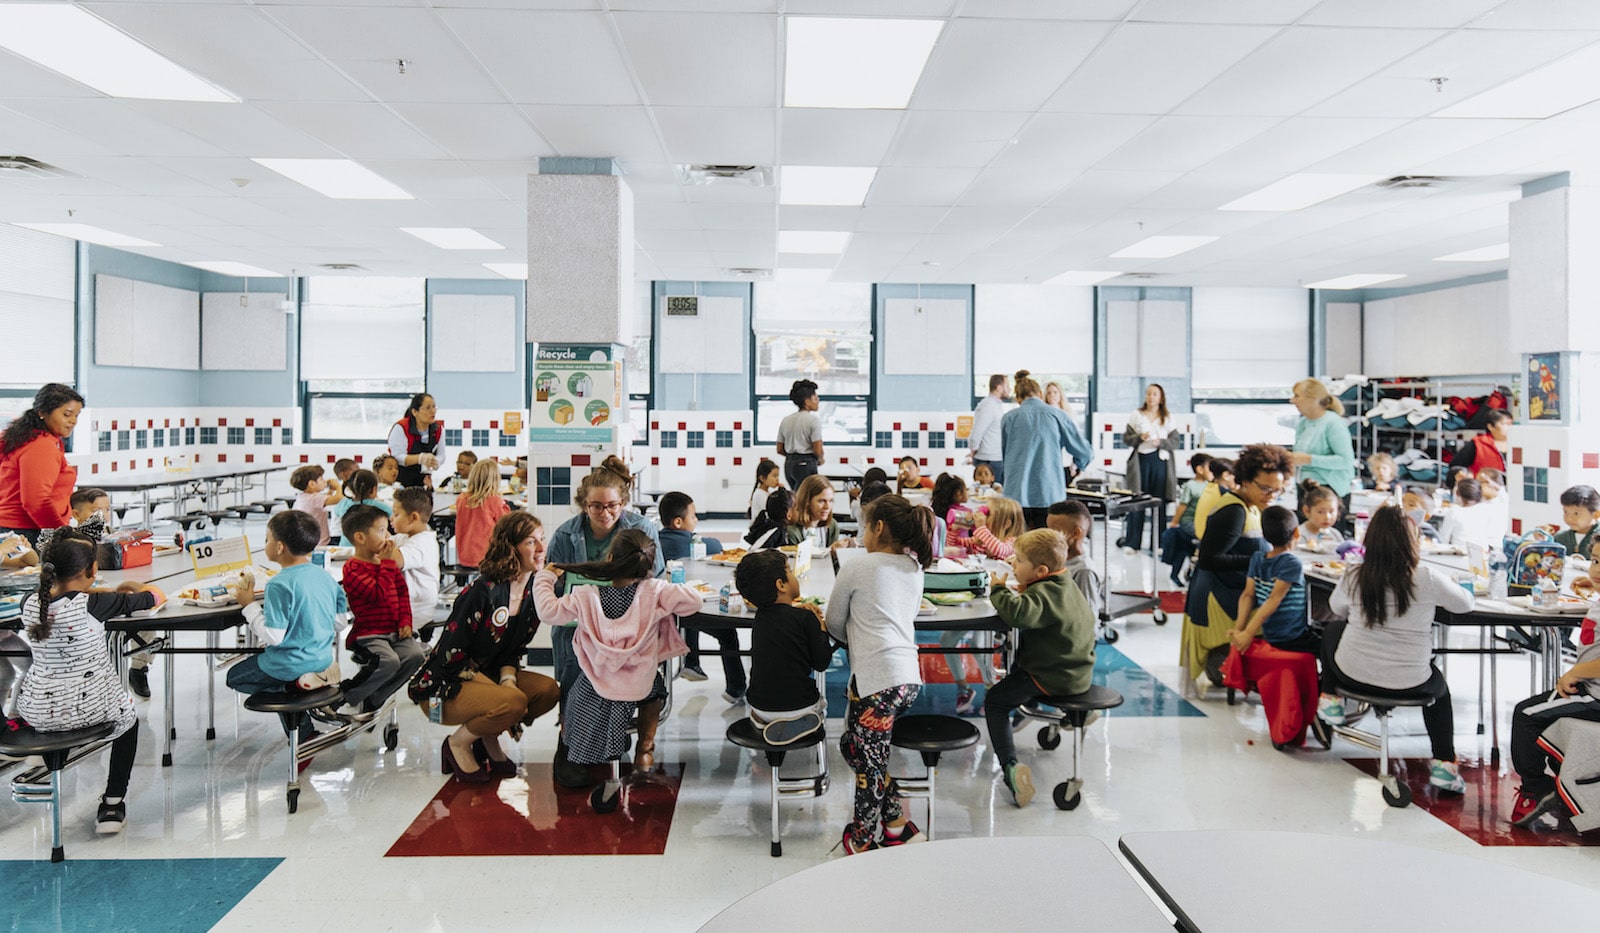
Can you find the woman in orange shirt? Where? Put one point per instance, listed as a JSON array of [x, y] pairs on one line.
[[35, 479], [477, 511]]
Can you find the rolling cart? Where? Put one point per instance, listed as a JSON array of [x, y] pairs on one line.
[[1116, 604]]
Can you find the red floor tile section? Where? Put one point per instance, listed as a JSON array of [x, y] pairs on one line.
[[1482, 814], [532, 815]]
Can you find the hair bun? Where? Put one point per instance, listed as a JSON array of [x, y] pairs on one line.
[[1022, 374], [47, 567]]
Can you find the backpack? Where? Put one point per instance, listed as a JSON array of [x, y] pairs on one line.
[[1533, 562]]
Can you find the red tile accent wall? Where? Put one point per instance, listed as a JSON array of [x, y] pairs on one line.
[[582, 459], [1516, 455], [1591, 461], [1555, 459]]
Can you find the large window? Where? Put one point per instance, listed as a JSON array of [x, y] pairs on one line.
[[1237, 423], [363, 350], [817, 332], [1250, 343], [38, 282], [1045, 329]]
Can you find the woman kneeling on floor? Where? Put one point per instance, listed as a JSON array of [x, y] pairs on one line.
[[625, 630]]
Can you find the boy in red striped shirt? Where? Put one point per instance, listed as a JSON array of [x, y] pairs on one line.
[[380, 638]]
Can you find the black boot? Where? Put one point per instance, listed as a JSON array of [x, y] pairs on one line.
[[566, 772], [139, 681]]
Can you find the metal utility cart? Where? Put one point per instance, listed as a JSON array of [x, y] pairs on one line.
[[1106, 505]]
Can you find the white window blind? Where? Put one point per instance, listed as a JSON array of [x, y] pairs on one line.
[[38, 278], [813, 331], [808, 309], [1249, 338], [1043, 328], [362, 328]]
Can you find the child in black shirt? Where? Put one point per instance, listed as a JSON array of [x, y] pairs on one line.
[[787, 646]]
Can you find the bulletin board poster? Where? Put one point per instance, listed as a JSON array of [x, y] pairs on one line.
[[1552, 392], [576, 394]]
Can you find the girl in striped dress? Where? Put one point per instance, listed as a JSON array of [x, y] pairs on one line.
[[73, 683]]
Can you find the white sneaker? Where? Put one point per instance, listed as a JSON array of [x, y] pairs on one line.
[[355, 713], [1447, 777], [1331, 710]]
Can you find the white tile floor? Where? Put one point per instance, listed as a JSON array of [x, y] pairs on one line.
[[225, 799]]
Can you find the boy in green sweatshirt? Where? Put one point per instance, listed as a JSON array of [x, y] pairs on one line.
[[1056, 656]]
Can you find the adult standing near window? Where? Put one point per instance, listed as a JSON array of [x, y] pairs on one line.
[[985, 437], [35, 479], [416, 440], [1322, 447], [1033, 436], [1487, 450], [1152, 441], [800, 434]]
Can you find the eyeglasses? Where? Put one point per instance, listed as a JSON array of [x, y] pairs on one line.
[[612, 507], [1273, 491]]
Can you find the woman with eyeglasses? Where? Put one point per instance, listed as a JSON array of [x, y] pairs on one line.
[[602, 501], [1232, 536], [1323, 450]]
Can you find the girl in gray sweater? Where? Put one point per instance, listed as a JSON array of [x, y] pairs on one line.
[[872, 610]]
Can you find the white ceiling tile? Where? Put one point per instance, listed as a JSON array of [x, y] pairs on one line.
[[623, 133], [356, 130], [1541, 14], [1098, 189], [1443, 14], [1153, 67], [720, 135], [663, 215], [1398, 151], [899, 219], [1296, 143], [706, 60], [448, 179], [477, 131], [25, 135], [1181, 144], [989, 222], [913, 186], [1061, 141], [735, 217], [1110, 10], [668, 239], [22, 78], [1302, 67], [569, 59], [836, 137], [892, 245], [762, 242], [693, 6], [1005, 187], [954, 139], [818, 217], [884, 8], [1276, 12], [1203, 191], [234, 128], [103, 118], [134, 175], [1003, 64]]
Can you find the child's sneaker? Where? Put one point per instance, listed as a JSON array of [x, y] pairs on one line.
[[1528, 809], [111, 817], [850, 848], [966, 698], [734, 699], [1019, 781], [692, 672], [1446, 777], [907, 834], [1330, 710]]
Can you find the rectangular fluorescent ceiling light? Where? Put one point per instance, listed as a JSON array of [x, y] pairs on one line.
[[337, 178], [453, 237], [1483, 254], [510, 270], [812, 241], [238, 269], [1160, 247], [813, 276], [1356, 280], [89, 234], [1297, 191], [1081, 278], [74, 43], [855, 63], [1544, 92], [824, 185]]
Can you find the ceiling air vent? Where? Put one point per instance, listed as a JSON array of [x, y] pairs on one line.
[[13, 166], [342, 267], [1413, 181], [754, 176], [748, 272], [1140, 275]]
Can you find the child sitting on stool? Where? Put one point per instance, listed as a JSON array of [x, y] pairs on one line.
[[1056, 657], [788, 644], [1073, 520], [380, 639], [625, 630], [417, 552]]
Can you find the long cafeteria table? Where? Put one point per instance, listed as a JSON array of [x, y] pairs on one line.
[[201, 481]]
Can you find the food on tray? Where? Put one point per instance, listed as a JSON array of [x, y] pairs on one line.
[[789, 548], [26, 571], [731, 556], [1335, 567], [959, 598], [816, 601]]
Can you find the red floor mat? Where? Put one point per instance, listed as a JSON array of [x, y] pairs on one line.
[[1483, 813], [531, 815]]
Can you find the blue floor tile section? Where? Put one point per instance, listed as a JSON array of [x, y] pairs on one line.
[[1142, 694], [127, 895]]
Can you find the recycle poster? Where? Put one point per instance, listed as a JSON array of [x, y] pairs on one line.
[[576, 393]]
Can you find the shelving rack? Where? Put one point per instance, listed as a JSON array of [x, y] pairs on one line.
[[1372, 438]]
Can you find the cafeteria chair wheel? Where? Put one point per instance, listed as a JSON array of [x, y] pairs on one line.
[[1049, 737], [1110, 635], [603, 804], [391, 737], [1159, 617], [293, 706], [1399, 796], [1068, 794], [294, 799]]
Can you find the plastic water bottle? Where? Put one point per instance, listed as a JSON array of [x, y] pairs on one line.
[[1546, 594], [675, 568], [1498, 575], [697, 548]]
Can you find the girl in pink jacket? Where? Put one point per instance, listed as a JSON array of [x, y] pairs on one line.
[[626, 628]]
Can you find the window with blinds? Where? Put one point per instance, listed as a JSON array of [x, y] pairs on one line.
[[1250, 342], [363, 353], [38, 286], [1046, 329]]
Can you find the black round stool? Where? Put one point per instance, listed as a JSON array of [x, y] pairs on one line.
[[1396, 793], [745, 735], [293, 705], [1073, 712], [54, 748], [930, 736]]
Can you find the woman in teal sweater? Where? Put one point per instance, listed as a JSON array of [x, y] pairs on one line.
[[1322, 447]]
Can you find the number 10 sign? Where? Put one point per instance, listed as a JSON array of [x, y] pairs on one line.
[[214, 558]]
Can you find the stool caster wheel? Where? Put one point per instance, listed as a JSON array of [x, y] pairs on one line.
[[1159, 617], [599, 801], [1068, 795], [1233, 696], [1112, 635], [294, 799], [777, 850], [1322, 732], [1399, 797], [1049, 737], [391, 737]]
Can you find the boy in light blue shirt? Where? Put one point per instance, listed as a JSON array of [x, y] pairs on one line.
[[1177, 542], [296, 622]]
